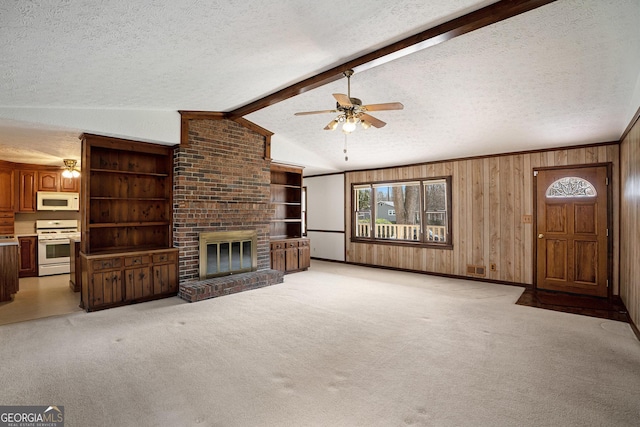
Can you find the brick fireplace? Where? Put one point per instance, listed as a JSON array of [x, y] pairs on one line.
[[221, 184]]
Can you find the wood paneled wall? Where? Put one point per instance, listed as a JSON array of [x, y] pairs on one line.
[[630, 223], [490, 197]]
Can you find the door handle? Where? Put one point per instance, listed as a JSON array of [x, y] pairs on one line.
[[540, 236]]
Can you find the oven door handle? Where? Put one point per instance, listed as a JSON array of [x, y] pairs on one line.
[[53, 240]]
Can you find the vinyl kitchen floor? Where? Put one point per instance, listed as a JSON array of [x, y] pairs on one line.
[[40, 297]]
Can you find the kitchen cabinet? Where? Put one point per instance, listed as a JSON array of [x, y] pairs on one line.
[[27, 187], [128, 277], [54, 181], [9, 272], [7, 190], [28, 256], [69, 185], [7, 222], [49, 181]]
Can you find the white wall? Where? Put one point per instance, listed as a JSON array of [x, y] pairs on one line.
[[325, 216]]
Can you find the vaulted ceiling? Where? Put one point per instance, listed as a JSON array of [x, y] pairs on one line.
[[564, 73]]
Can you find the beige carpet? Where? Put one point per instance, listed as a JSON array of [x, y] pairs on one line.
[[335, 346]]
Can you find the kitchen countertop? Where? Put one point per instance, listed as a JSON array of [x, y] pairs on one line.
[[10, 241]]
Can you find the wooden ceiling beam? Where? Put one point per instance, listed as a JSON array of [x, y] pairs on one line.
[[481, 18]]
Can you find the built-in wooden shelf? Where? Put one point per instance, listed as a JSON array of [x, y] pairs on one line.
[[127, 213], [289, 250], [128, 224], [135, 199], [130, 172]]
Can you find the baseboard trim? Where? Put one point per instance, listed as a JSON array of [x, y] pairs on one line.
[[634, 328]]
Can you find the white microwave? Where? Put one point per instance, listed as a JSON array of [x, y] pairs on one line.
[[53, 201]]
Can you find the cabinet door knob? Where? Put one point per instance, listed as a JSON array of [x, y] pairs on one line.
[[540, 236]]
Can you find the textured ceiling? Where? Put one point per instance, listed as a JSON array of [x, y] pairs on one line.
[[565, 73]]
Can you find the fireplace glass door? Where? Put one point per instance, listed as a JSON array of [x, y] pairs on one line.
[[226, 256]]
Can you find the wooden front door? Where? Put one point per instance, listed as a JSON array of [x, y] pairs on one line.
[[571, 230]]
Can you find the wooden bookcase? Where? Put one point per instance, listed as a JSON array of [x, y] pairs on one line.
[[286, 199], [289, 249], [126, 209]]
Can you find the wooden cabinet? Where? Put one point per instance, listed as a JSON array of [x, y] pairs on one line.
[[113, 280], [49, 181], [75, 276], [54, 181], [28, 256], [138, 278], [9, 272], [69, 185], [304, 254], [7, 190], [277, 255], [290, 255], [7, 220], [289, 250], [27, 187], [19, 183], [126, 209]]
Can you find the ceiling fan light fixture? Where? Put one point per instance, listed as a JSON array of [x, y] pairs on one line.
[[333, 124], [70, 170], [349, 126], [365, 125]]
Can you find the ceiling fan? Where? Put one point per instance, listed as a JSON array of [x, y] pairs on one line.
[[351, 111]]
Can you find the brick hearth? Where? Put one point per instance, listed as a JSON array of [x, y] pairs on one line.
[[226, 285]]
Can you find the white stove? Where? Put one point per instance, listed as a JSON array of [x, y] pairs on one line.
[[54, 247]]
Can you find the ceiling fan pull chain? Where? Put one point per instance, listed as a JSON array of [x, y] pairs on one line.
[[346, 158]]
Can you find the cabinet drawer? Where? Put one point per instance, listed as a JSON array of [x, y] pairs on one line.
[[136, 260], [277, 245], [6, 219], [105, 264], [303, 243], [166, 257], [293, 244]]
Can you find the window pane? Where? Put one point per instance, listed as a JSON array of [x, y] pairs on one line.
[[397, 211], [435, 193], [363, 211]]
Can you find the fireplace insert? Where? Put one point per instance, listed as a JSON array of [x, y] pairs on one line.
[[227, 252]]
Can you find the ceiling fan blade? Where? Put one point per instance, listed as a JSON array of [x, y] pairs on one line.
[[343, 99], [332, 125], [305, 113], [382, 107], [370, 119]]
